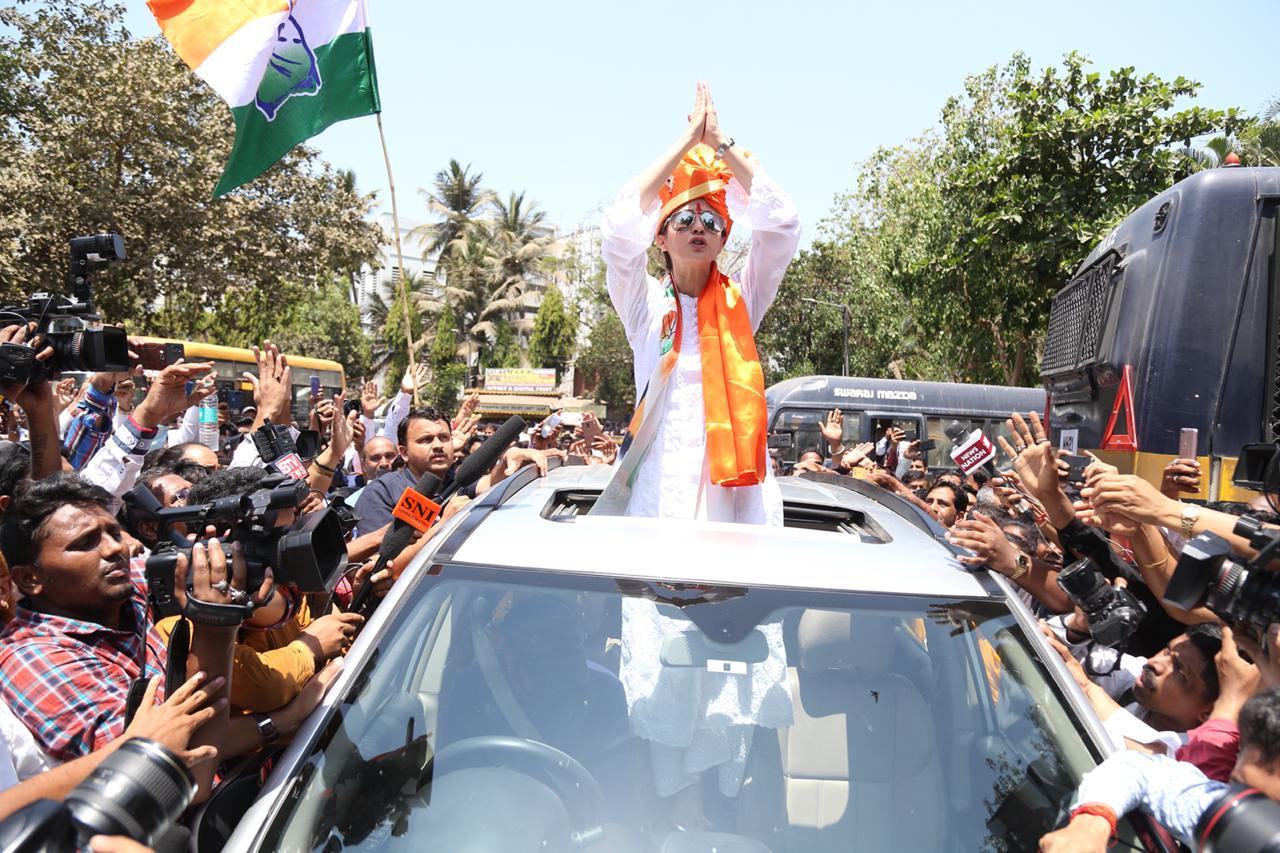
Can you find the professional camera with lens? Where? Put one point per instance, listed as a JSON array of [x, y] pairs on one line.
[[1113, 613], [1241, 820], [138, 791], [1206, 575], [68, 324], [308, 554]]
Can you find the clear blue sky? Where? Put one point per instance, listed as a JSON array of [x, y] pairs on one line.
[[567, 99]]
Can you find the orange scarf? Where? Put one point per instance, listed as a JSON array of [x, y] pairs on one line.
[[732, 385]]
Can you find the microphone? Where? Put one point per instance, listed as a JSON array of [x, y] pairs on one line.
[[483, 458], [394, 542], [971, 450], [471, 469]]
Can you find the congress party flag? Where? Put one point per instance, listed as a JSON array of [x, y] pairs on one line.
[[287, 68]]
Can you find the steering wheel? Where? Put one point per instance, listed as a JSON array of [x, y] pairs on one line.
[[577, 789]]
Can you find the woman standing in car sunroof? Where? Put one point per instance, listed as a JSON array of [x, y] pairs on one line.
[[696, 446]]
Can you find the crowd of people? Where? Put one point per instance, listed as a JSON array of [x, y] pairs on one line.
[[83, 655], [84, 650]]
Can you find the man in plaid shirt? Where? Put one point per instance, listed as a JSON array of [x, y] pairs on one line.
[[83, 633]]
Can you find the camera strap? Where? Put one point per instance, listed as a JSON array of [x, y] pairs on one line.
[[175, 669], [215, 615]]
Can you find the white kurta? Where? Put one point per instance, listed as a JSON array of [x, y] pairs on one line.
[[674, 480]]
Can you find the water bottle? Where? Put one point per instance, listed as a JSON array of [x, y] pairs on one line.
[[209, 421]]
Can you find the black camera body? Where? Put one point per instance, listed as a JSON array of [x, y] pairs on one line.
[[1206, 575], [138, 792], [68, 324], [309, 554], [1113, 613]]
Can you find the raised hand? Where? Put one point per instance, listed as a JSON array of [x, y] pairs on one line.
[[369, 399], [857, 455], [711, 133], [272, 392], [832, 429], [1180, 475], [64, 393], [1032, 455], [167, 397]]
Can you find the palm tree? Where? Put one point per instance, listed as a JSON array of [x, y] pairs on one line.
[[386, 304], [459, 201], [521, 243]]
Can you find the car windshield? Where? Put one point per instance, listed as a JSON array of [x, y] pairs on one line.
[[518, 710]]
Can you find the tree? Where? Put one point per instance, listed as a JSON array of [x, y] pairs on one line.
[[326, 325], [458, 200], [102, 131], [447, 371], [969, 231], [607, 363], [555, 333]]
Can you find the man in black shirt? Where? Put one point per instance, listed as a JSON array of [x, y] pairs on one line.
[[426, 444]]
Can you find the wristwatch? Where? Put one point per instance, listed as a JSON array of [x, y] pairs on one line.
[[267, 729], [1022, 565], [724, 148], [1190, 515]]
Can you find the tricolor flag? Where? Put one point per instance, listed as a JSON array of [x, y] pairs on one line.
[[288, 68]]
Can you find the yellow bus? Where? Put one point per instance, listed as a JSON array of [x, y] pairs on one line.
[[231, 363]]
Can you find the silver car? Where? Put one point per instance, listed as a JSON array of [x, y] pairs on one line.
[[545, 680]]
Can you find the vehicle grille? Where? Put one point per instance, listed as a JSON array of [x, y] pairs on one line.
[[1077, 319]]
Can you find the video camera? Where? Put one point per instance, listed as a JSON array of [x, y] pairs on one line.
[[1113, 613], [1207, 575], [309, 554], [138, 791], [68, 324]]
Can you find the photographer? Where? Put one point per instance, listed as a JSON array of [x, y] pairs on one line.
[[1166, 696], [1037, 467], [1176, 793], [279, 648], [83, 631]]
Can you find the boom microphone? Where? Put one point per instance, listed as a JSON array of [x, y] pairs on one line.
[[485, 456], [394, 542]]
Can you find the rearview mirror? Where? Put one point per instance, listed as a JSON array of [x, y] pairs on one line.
[[693, 649]]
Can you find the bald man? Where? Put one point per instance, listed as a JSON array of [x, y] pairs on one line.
[[379, 458]]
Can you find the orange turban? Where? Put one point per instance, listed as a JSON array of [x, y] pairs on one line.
[[698, 175]]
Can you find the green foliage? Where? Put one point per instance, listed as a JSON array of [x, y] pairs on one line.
[[397, 355], [954, 244], [447, 372], [504, 351], [555, 333], [323, 324], [606, 363], [102, 131]]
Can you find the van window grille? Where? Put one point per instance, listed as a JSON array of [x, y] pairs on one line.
[[1077, 318]]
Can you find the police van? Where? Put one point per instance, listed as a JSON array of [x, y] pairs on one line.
[[870, 406], [1170, 324]]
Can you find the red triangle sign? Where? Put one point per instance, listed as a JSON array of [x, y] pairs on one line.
[[1127, 440]]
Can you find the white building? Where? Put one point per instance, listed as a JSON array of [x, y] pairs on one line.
[[386, 277]]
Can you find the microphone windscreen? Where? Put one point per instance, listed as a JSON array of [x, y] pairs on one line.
[[401, 532], [483, 457], [955, 431]]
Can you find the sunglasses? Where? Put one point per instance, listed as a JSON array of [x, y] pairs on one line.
[[711, 221]]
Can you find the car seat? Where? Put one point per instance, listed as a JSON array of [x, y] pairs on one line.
[[858, 770]]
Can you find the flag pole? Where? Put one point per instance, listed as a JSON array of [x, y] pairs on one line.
[[395, 226]]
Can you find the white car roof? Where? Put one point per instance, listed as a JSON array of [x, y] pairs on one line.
[[516, 534]]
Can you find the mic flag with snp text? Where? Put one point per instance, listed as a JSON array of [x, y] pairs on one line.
[[287, 68]]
